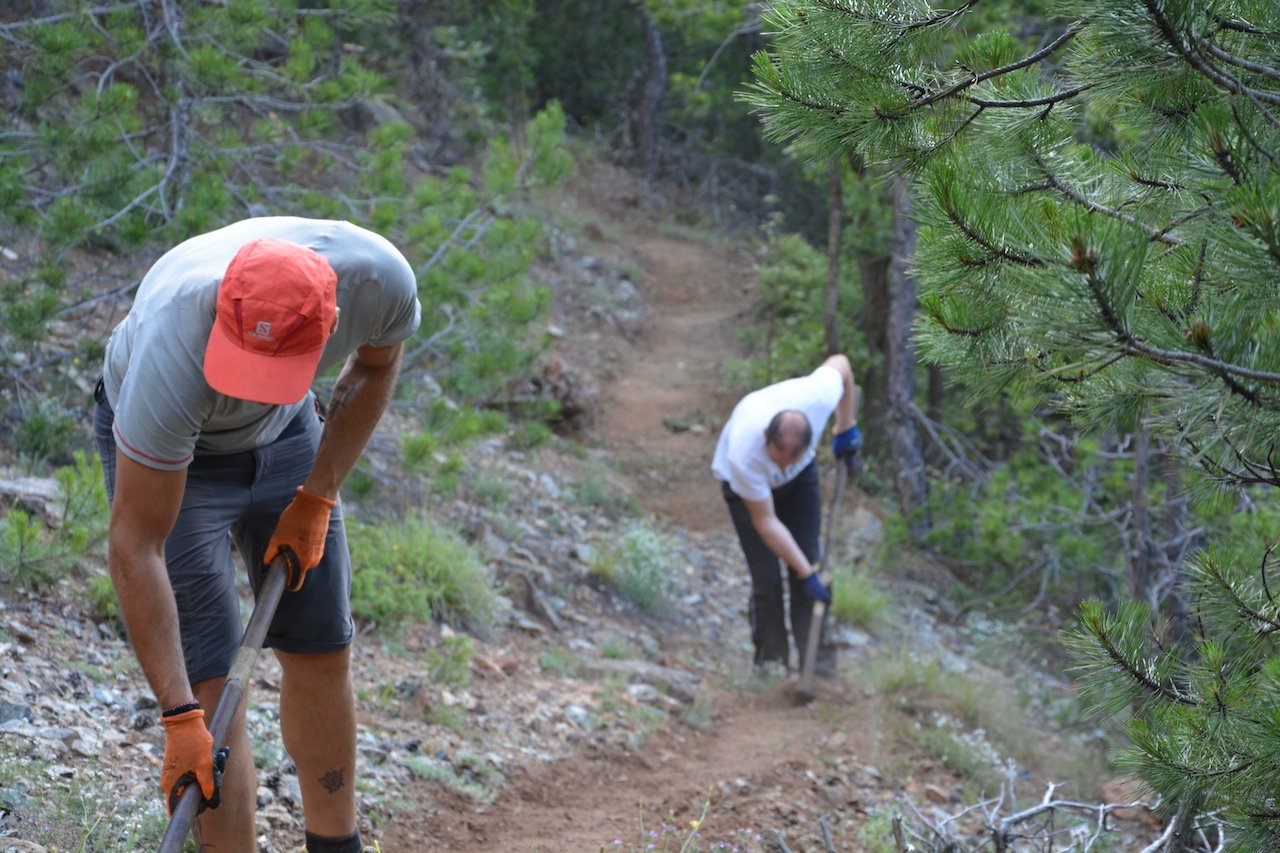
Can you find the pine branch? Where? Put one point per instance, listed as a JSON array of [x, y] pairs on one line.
[[1163, 356], [903, 25], [1239, 62], [997, 252], [1047, 100], [1266, 624], [975, 79], [1094, 621], [1249, 137], [1196, 61], [1089, 204]]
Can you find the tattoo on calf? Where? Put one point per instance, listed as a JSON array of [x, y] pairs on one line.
[[332, 781]]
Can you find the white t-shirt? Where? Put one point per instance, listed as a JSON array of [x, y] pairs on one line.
[[165, 410], [741, 460]]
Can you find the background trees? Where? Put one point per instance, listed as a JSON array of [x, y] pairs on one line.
[[1098, 229]]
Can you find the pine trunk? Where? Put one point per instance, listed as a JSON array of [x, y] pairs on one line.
[[644, 116], [900, 379], [835, 228]]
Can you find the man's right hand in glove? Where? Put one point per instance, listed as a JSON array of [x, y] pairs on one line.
[[814, 589], [845, 445], [300, 533], [188, 757]]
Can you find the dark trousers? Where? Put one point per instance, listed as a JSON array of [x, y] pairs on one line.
[[798, 505]]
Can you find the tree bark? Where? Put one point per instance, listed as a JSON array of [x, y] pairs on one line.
[[873, 270], [644, 115], [900, 379], [835, 229], [1140, 562]]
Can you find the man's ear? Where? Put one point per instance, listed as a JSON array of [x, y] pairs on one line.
[[337, 312]]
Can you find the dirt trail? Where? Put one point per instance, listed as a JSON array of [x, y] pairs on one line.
[[758, 748], [672, 379], [759, 743]]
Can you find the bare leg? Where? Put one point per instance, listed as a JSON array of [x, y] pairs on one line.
[[318, 724], [229, 827]]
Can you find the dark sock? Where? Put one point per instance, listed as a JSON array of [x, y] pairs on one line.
[[346, 844]]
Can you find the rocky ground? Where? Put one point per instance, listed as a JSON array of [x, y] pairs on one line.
[[583, 723]]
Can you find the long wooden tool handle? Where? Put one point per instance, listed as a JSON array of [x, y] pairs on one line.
[[805, 687], [229, 702]]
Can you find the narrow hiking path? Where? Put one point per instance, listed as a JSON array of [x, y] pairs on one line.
[[659, 420], [759, 757]]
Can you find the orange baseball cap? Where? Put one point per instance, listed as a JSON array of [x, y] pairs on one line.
[[276, 307]]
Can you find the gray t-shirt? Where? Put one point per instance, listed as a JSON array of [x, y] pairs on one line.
[[165, 411]]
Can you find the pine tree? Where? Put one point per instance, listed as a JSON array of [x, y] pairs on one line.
[[1099, 199]]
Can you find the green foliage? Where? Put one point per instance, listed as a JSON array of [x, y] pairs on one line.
[[451, 666], [615, 650], [641, 564], [1096, 189], [558, 660], [858, 599], [595, 491], [103, 602], [35, 555], [417, 570], [251, 116], [529, 435], [787, 338], [47, 434]]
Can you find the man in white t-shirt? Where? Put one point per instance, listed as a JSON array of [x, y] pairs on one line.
[[209, 433], [765, 462]]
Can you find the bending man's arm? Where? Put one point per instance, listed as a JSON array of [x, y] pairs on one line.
[[143, 512], [360, 396], [777, 537]]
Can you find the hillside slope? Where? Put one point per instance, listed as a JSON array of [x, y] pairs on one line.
[[583, 723]]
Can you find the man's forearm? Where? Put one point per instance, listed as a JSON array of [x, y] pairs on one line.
[[151, 621], [780, 541], [360, 396]]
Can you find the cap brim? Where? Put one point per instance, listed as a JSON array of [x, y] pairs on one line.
[[276, 380]]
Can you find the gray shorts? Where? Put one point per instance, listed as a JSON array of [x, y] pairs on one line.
[[237, 497]]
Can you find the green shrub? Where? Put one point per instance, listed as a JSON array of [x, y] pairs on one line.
[[103, 603], [451, 666], [417, 570], [615, 650], [641, 566], [856, 598], [48, 434], [558, 660], [594, 491], [529, 435], [37, 556]]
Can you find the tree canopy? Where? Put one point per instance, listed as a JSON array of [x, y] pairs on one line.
[[1099, 201]]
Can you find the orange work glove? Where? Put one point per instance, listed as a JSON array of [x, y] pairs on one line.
[[189, 757], [300, 533]]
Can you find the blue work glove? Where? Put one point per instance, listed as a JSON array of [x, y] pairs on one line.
[[815, 590], [845, 446], [847, 443]]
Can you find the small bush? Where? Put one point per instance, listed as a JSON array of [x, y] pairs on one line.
[[594, 491], [641, 566], [48, 435], [615, 650], [857, 599], [103, 603], [37, 556], [417, 570], [451, 666], [558, 660], [529, 435]]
